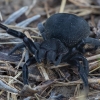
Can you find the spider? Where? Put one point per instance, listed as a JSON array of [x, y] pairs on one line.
[[64, 36]]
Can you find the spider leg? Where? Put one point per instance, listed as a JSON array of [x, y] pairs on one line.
[[81, 73], [42, 30], [41, 27], [41, 54], [30, 61], [32, 46], [92, 41], [21, 45], [12, 32], [58, 60], [80, 47], [89, 40], [52, 57], [91, 49], [85, 62]]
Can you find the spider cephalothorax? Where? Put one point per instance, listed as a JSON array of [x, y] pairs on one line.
[[64, 38]]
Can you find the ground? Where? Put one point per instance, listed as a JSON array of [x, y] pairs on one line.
[[46, 80]]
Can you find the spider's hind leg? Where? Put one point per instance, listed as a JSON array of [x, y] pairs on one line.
[[83, 69], [82, 75], [19, 46], [79, 57], [92, 41]]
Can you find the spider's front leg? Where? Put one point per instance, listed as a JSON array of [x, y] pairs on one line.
[[33, 48], [12, 32], [27, 42]]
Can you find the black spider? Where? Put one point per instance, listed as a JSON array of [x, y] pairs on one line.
[[64, 38]]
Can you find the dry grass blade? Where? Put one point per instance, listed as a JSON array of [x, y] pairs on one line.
[[90, 94], [12, 78], [43, 71], [80, 4], [95, 69], [8, 88], [1, 18], [23, 55], [19, 73], [28, 35], [95, 57], [22, 28], [92, 80], [31, 7], [82, 11], [10, 42], [43, 86], [46, 9], [63, 3], [45, 79], [6, 36]]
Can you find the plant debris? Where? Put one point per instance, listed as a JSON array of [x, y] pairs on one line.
[[46, 82]]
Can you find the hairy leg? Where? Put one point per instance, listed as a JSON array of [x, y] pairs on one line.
[[89, 40], [82, 66], [82, 74], [21, 45], [25, 69], [79, 57], [32, 46]]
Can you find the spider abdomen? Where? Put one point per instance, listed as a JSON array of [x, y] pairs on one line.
[[68, 28]]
